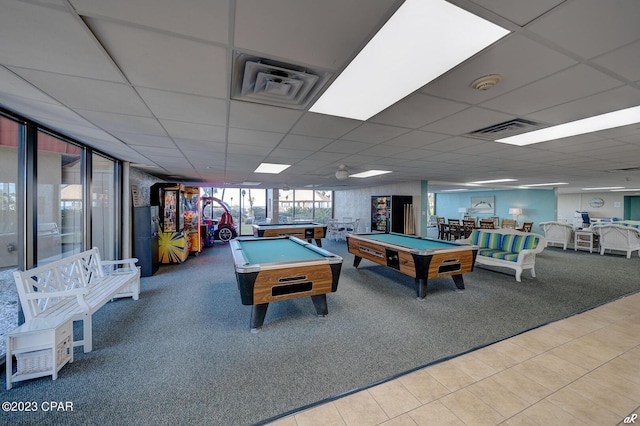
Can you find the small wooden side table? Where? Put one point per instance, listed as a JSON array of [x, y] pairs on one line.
[[41, 347], [585, 239]]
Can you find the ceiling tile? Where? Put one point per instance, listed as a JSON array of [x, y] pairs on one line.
[[124, 123], [417, 110], [600, 103], [268, 27], [520, 61], [180, 129], [209, 23], [374, 133], [255, 138], [623, 61], [303, 142], [565, 86], [183, 107], [247, 115], [324, 126], [467, 121], [54, 41], [520, 12], [88, 94], [157, 60], [585, 26]]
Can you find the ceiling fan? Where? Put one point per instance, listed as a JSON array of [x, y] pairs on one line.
[[342, 173]]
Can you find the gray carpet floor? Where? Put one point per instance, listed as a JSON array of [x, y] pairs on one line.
[[183, 353]]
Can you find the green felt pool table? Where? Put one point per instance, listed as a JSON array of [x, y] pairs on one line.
[[271, 269], [303, 230], [421, 258]]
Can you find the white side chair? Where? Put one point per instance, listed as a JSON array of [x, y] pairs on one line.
[[557, 232], [333, 230]]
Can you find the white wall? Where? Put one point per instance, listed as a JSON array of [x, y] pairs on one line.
[[613, 205], [356, 203]]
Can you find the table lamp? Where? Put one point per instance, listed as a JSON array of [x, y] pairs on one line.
[[515, 211], [463, 211]]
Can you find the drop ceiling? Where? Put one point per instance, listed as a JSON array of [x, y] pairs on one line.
[[151, 83]]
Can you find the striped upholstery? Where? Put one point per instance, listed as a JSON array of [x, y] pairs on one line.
[[517, 243], [502, 246], [486, 239]]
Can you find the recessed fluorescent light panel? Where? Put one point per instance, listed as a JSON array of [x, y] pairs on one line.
[[271, 168], [609, 120], [421, 41], [454, 190], [603, 188], [370, 173], [494, 181], [625, 190], [531, 185]]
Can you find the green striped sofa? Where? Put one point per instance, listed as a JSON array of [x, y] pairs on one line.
[[507, 248]]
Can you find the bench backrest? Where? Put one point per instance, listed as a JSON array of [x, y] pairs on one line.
[[509, 240], [76, 271]]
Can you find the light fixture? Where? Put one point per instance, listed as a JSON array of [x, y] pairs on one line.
[[515, 212], [602, 188], [421, 41], [544, 184], [370, 173], [342, 173], [271, 168], [487, 82], [625, 189], [494, 181], [609, 120]]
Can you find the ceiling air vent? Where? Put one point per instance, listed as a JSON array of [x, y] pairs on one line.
[[508, 128], [270, 82]]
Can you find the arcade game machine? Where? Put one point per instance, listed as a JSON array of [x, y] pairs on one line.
[[192, 219], [217, 222], [173, 247]]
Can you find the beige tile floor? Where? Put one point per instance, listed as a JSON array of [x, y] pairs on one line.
[[581, 370]]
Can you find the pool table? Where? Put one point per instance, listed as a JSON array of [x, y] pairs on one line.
[[278, 268], [421, 258], [303, 230]]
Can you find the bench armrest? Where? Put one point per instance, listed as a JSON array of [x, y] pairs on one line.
[[63, 293], [79, 294]]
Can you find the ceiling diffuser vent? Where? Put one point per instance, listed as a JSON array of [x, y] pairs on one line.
[[270, 82], [508, 128]]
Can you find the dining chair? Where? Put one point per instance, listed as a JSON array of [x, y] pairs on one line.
[[508, 223], [487, 224], [468, 225], [455, 229], [526, 227]]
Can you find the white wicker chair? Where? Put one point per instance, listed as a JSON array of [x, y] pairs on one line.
[[618, 237], [557, 232]]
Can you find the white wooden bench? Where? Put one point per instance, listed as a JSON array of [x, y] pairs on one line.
[[76, 286]]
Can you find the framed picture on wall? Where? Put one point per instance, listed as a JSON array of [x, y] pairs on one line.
[[482, 205]]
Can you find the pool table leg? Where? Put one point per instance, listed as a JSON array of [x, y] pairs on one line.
[[320, 302], [422, 288], [318, 242], [258, 312], [356, 261], [457, 279]]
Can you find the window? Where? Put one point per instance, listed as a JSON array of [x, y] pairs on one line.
[[60, 199], [9, 139], [103, 206]]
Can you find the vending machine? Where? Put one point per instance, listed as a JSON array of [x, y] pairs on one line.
[[173, 247]]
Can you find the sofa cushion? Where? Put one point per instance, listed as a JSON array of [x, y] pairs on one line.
[[516, 243], [498, 254], [490, 240]]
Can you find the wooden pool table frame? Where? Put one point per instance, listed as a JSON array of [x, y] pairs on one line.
[[305, 231], [260, 284], [420, 264]]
